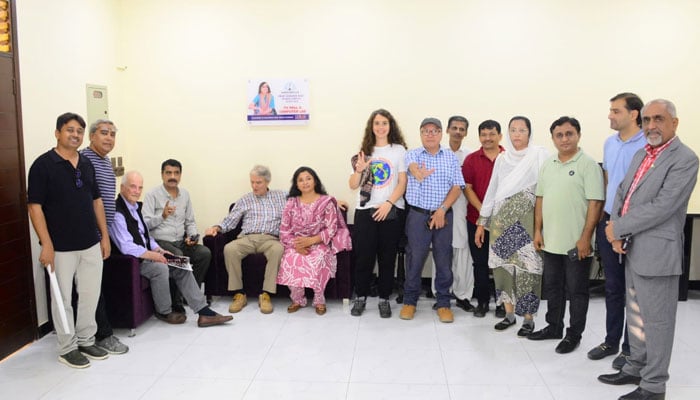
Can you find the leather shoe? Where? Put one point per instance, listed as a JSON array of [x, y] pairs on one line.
[[601, 351], [321, 309], [481, 310], [567, 345], [620, 360], [464, 305], [172, 318], [526, 330], [505, 324], [641, 394], [294, 307], [500, 311], [619, 378], [218, 319], [545, 333]]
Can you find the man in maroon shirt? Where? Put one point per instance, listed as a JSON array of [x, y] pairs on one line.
[[477, 169]]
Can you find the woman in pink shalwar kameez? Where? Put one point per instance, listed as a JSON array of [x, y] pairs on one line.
[[312, 231]]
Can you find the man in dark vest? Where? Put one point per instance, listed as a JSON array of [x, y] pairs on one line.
[[131, 237]]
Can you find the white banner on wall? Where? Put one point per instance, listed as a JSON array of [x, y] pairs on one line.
[[278, 101]]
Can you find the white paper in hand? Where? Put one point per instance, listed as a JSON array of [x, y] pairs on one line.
[[56, 293]]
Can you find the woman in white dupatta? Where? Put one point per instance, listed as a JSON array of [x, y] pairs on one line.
[[508, 213]]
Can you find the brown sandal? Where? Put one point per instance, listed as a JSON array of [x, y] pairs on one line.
[[294, 307], [321, 309]]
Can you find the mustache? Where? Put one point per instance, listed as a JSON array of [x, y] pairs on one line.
[[172, 180]]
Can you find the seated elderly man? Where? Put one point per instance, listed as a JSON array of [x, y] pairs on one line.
[[130, 235], [261, 212]]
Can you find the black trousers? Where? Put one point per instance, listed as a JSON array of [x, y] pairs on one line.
[[563, 277], [375, 241], [482, 286], [104, 328]]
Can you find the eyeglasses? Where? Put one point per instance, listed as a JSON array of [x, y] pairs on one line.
[[431, 132], [78, 181], [561, 135]]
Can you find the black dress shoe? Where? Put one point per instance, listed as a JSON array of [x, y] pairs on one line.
[[601, 351], [500, 311], [465, 305], [619, 378], [567, 345], [545, 333], [481, 310], [526, 330], [620, 360], [505, 324], [641, 394]]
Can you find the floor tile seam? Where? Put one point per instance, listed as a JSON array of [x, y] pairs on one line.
[[442, 356], [162, 374], [354, 355], [55, 385], [544, 381], [267, 354]]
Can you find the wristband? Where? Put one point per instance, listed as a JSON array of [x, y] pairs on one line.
[[389, 201]]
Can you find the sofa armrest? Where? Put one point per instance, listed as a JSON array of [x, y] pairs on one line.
[[127, 295]]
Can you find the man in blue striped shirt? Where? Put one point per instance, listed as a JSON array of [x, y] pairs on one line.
[[435, 182], [103, 134]]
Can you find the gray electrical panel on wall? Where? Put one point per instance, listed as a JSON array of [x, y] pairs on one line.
[[97, 107]]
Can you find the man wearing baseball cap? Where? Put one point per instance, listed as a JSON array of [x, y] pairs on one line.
[[434, 183]]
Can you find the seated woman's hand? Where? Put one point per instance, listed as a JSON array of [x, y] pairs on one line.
[[304, 243], [301, 250]]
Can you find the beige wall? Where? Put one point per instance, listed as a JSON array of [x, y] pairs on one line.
[[62, 46], [182, 94]]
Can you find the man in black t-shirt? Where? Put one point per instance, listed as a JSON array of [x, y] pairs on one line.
[[67, 213]]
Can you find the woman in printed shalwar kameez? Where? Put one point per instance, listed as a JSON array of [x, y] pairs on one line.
[[312, 231], [508, 213]]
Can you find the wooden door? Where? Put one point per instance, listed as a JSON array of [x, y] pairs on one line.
[[18, 324]]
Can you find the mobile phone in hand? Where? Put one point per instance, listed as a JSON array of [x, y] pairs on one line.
[[194, 238], [573, 254]]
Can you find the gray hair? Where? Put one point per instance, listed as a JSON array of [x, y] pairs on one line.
[[262, 171], [668, 105], [126, 176], [94, 125]]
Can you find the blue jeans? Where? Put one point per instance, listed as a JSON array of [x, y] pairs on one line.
[[614, 289], [420, 239]]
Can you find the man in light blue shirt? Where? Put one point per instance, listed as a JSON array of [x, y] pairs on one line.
[[435, 182], [625, 117]]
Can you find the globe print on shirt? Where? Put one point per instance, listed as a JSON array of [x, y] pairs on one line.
[[381, 171]]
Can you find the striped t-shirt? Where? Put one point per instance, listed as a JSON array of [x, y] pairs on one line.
[[106, 181]]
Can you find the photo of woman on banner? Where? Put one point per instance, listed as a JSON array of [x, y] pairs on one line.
[[264, 102]]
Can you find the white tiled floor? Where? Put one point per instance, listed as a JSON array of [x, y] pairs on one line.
[[336, 356]]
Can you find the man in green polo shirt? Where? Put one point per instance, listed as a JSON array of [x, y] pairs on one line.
[[570, 196]]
